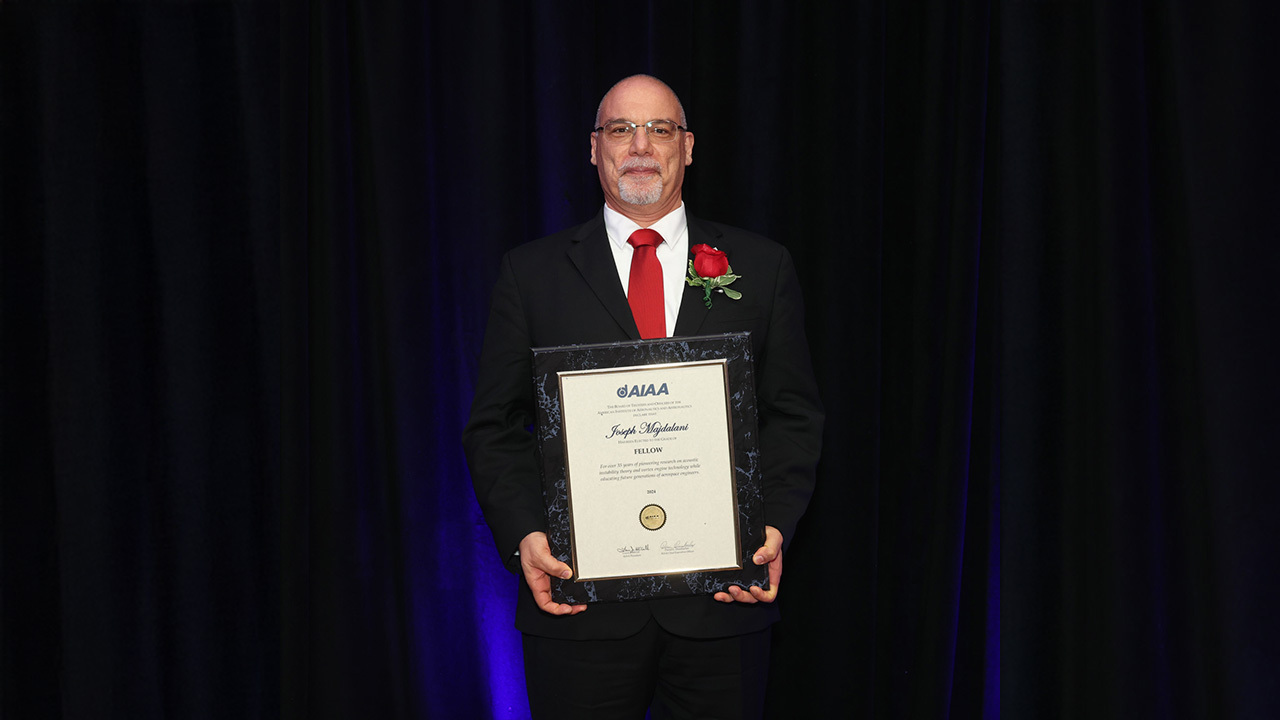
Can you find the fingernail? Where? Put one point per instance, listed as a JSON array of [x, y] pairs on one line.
[[759, 559]]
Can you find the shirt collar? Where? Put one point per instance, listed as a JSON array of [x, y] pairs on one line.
[[620, 227]]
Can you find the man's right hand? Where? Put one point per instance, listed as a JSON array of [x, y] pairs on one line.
[[538, 565]]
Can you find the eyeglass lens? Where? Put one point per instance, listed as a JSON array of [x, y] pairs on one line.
[[622, 131]]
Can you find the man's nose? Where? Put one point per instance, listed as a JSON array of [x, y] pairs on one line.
[[640, 144]]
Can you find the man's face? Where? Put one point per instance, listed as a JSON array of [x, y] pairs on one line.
[[641, 179]]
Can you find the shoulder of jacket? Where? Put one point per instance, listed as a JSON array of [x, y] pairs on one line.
[[562, 240], [733, 237]]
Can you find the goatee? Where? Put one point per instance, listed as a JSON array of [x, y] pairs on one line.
[[640, 192]]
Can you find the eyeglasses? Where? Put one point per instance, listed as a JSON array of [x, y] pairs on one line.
[[621, 131]]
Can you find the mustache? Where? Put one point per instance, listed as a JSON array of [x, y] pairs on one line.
[[640, 163]]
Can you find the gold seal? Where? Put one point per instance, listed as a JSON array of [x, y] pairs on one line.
[[653, 517]]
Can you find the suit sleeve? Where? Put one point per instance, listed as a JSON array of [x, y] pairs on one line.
[[498, 445], [790, 410]]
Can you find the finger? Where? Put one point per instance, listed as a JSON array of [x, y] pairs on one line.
[[765, 554], [559, 569], [542, 597], [737, 594], [546, 564], [772, 547], [554, 608], [553, 566], [544, 601], [535, 555], [541, 589], [775, 581], [725, 596]]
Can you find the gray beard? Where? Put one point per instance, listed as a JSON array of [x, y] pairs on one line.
[[640, 193]]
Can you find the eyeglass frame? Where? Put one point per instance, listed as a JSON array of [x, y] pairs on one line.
[[647, 127]]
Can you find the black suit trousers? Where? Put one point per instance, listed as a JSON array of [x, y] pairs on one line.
[[653, 670]]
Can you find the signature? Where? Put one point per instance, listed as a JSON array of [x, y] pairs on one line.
[[631, 549], [677, 545]]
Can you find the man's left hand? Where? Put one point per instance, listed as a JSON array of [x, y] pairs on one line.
[[771, 553]]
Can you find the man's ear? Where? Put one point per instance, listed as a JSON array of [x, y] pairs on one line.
[[593, 148], [688, 148]]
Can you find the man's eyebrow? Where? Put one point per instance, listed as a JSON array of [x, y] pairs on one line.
[[657, 119]]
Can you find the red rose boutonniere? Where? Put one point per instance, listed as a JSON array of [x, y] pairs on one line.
[[709, 269]]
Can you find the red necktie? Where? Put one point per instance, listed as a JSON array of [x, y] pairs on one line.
[[644, 291]]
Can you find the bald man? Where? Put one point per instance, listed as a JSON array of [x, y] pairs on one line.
[[700, 656]]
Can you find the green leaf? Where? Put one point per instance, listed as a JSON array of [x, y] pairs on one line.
[[733, 294]]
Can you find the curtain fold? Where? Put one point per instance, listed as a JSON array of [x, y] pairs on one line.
[[140, 443]]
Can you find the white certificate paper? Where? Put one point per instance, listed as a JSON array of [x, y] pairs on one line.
[[649, 469]]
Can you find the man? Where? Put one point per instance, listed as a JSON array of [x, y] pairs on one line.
[[690, 656]]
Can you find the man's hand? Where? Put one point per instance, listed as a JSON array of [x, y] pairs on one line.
[[538, 565], [771, 553]]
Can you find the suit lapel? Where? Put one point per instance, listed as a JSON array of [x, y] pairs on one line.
[[693, 309], [590, 253]]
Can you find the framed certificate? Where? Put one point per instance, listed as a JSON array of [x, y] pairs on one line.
[[650, 466]]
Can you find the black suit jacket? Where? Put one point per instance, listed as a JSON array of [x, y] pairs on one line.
[[563, 290]]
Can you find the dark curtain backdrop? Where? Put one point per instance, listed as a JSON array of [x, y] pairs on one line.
[[247, 251]]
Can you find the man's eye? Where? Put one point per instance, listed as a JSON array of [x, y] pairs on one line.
[[619, 130], [660, 130]]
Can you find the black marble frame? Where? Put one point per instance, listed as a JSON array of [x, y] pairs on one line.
[[735, 349]]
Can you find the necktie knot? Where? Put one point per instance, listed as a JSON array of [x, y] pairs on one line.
[[646, 237]]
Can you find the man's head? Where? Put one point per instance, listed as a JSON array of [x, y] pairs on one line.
[[641, 175]]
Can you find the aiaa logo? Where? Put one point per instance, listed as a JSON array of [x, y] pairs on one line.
[[642, 390]]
